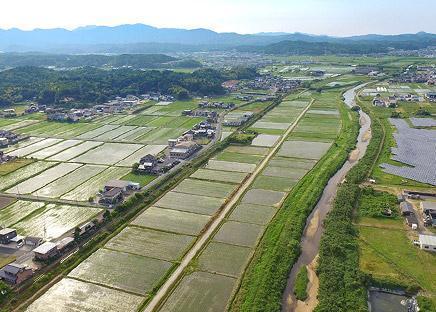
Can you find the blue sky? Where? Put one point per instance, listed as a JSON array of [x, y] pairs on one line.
[[332, 17]]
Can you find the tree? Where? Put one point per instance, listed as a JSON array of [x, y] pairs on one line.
[[4, 291], [107, 216], [77, 234]]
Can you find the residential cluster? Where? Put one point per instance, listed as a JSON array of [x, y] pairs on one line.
[[115, 191], [420, 74], [272, 83]]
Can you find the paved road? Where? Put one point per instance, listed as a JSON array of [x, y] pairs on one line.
[[314, 225], [175, 276]]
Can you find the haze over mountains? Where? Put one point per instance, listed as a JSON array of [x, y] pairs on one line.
[[140, 38]]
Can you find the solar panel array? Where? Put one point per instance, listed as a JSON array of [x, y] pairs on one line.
[[415, 148], [423, 122]]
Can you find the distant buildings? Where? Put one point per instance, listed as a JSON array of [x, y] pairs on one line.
[[236, 119], [184, 150]]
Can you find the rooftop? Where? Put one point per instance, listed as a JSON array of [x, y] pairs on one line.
[[45, 248], [6, 231], [427, 239]]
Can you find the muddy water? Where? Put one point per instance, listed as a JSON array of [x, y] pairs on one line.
[[314, 229]]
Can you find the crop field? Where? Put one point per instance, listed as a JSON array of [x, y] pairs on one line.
[[199, 292], [132, 135], [79, 129], [224, 259], [24, 173], [54, 149], [108, 153], [190, 203], [238, 157], [270, 125], [75, 151], [69, 181], [172, 221], [291, 173], [303, 149], [206, 188], [22, 144], [20, 124], [251, 213], [274, 183], [250, 150], [11, 166], [56, 220], [110, 268], [161, 135], [263, 197], [220, 176], [267, 140], [136, 156], [321, 126], [140, 120], [21, 152], [230, 166], [237, 233], [73, 295], [89, 188], [112, 134], [15, 212], [98, 131], [34, 183], [150, 243], [286, 162]]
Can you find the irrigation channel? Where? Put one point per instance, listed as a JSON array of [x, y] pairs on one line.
[[314, 229]]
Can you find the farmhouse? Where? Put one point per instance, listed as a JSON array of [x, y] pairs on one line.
[[15, 273], [184, 150], [64, 243], [6, 235], [427, 242], [237, 119], [112, 196], [46, 251]]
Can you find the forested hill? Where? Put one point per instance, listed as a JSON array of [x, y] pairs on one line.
[[9, 60], [91, 85], [289, 47]]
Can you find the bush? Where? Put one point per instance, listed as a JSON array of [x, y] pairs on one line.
[[374, 203], [300, 288]]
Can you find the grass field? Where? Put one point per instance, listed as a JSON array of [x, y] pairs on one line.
[[171, 221], [190, 203], [110, 268], [73, 295], [239, 158], [199, 292], [142, 179]]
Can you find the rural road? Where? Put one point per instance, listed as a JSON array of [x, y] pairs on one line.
[[177, 274], [314, 225]]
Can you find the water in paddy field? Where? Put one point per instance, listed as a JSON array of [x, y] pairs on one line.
[[387, 302]]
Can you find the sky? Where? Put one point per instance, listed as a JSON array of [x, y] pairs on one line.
[[330, 17]]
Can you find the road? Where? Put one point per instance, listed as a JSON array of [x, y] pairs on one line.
[[313, 231], [203, 239]]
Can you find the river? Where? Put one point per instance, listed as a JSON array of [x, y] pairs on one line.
[[314, 229]]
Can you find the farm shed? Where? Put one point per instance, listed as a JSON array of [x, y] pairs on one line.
[[427, 242], [428, 207], [406, 208], [46, 251]]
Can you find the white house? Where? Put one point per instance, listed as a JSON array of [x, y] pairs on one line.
[[427, 242]]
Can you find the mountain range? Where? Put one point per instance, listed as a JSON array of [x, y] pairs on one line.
[[140, 37]]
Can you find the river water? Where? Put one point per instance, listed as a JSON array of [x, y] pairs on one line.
[[314, 229]]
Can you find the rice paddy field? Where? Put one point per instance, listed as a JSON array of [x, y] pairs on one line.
[[50, 221], [134, 262]]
